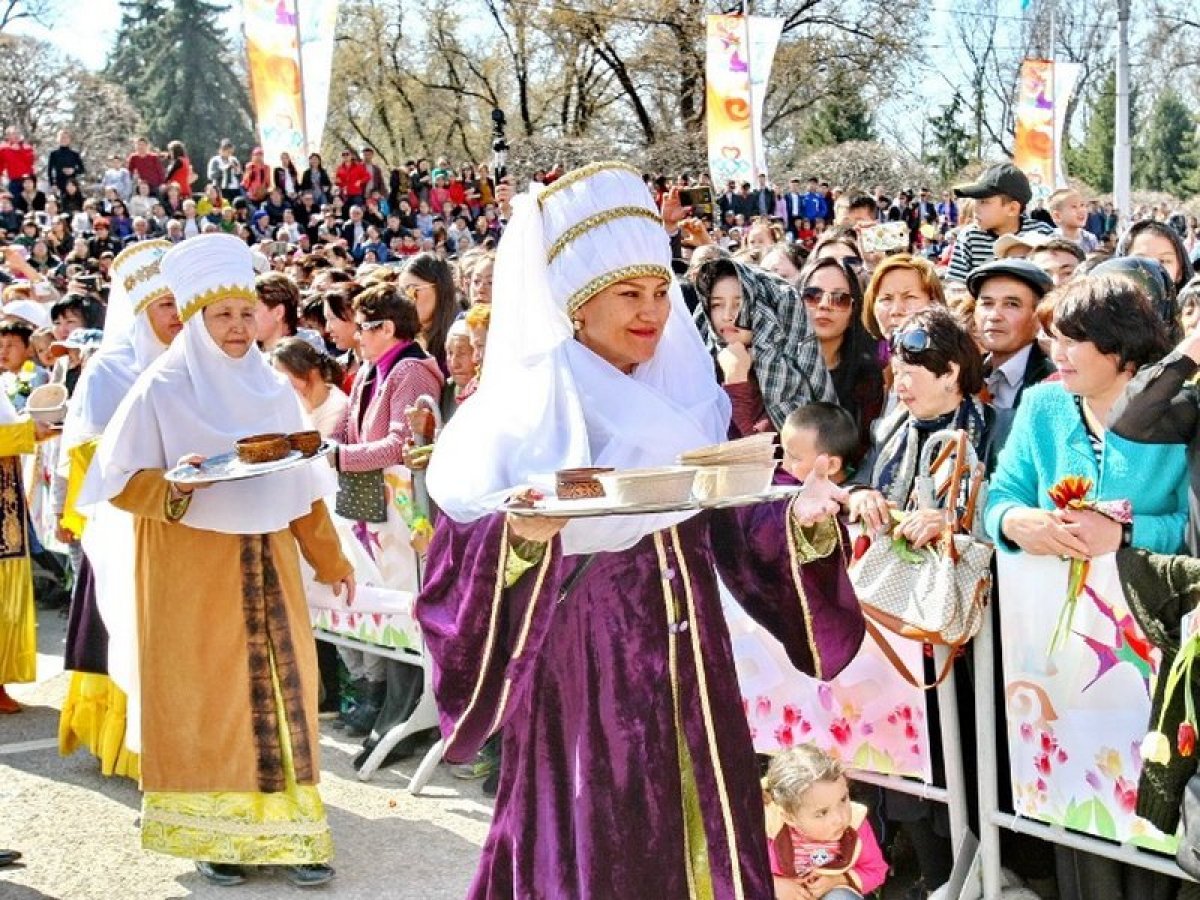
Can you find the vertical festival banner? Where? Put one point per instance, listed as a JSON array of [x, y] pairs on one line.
[[1076, 717], [739, 53], [317, 25], [273, 56], [868, 716], [1041, 111]]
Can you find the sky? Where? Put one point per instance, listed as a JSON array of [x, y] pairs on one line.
[[90, 40]]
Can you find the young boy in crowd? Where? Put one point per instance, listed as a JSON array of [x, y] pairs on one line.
[[819, 429], [1001, 195], [1070, 213]]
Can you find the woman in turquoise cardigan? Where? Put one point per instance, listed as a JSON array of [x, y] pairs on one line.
[[1104, 330]]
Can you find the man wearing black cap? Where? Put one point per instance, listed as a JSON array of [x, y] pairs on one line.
[[1007, 293], [1001, 195]]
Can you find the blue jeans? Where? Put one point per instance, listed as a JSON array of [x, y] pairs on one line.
[[842, 893]]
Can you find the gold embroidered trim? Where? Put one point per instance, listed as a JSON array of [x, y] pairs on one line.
[[794, 566], [216, 295], [489, 642], [151, 297], [141, 276], [521, 639], [140, 247], [735, 862], [673, 674], [580, 174], [576, 301], [228, 826], [575, 232]]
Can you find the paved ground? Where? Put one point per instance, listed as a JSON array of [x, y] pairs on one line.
[[78, 830]]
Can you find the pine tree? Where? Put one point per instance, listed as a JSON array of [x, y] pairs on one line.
[[842, 116], [135, 41], [1092, 160], [1167, 156], [951, 140], [179, 69]]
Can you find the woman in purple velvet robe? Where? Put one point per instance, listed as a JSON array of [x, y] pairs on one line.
[[599, 651]]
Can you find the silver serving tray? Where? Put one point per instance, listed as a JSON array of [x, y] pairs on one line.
[[553, 508], [227, 467]]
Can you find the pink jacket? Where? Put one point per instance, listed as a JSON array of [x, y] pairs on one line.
[[379, 441], [865, 865]]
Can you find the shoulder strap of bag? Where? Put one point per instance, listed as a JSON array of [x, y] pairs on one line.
[[898, 664]]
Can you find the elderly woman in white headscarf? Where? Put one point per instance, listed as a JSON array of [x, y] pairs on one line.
[[142, 321], [600, 651], [228, 666]]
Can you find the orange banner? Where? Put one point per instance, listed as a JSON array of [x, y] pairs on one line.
[[273, 52]]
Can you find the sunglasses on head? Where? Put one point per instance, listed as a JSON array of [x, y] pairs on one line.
[[814, 297], [915, 340], [368, 326]]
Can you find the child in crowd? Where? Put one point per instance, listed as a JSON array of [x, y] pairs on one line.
[[820, 844], [817, 429], [1069, 211], [1001, 195]]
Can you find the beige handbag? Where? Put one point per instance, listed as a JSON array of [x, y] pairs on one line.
[[938, 594]]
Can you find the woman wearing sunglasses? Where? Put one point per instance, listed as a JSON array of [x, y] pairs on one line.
[[833, 300], [371, 435], [428, 283], [768, 357], [937, 373]]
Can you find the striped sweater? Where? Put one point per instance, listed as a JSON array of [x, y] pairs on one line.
[[975, 247]]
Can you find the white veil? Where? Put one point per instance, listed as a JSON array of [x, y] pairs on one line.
[[546, 402]]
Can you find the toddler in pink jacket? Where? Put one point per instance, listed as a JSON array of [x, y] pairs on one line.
[[821, 845]]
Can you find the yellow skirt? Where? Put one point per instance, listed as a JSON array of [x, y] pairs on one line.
[[242, 827], [93, 716], [18, 622]]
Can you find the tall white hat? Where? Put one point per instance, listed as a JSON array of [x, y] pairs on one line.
[[137, 270], [209, 268], [601, 227]]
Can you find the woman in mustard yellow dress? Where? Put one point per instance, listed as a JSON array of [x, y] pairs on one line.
[[227, 659], [142, 321], [18, 622]]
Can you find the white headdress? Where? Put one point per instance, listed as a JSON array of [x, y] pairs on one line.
[[129, 345], [198, 399], [547, 402]]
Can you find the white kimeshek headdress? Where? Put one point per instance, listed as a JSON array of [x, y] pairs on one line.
[[546, 402], [129, 345], [197, 399]]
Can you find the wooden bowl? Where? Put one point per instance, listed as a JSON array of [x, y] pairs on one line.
[[307, 442], [263, 448], [579, 484]]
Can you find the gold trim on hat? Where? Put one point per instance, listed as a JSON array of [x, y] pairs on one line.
[[151, 297], [216, 295], [141, 276], [625, 273], [139, 247], [601, 218], [580, 174]]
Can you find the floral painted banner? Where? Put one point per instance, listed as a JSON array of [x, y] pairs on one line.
[[739, 51], [868, 717], [1041, 113], [1077, 716]]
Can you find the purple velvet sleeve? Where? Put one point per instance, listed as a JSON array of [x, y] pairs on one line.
[[811, 608], [483, 638]]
